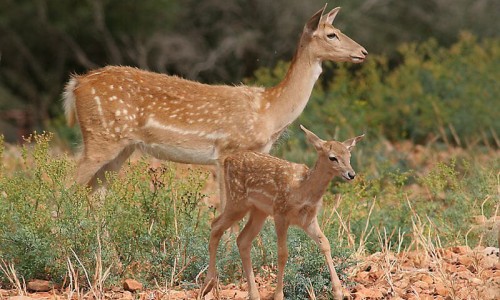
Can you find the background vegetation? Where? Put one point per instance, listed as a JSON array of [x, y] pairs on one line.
[[43, 42]]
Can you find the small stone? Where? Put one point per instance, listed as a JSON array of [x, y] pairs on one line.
[[39, 285], [465, 260], [460, 249], [132, 285], [480, 220], [421, 284], [426, 278], [127, 295], [441, 289], [369, 293]]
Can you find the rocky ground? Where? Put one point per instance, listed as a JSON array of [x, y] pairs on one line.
[[450, 273]]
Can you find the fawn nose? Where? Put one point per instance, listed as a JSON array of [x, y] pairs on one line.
[[351, 175], [364, 51]]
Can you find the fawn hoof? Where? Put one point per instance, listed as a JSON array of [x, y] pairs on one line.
[[208, 285]]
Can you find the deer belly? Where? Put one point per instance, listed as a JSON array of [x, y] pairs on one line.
[[204, 155]]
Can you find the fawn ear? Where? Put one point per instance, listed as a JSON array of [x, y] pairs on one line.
[[312, 138], [328, 18], [350, 143], [314, 21]]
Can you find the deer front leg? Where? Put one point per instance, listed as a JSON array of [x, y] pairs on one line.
[[244, 241], [281, 231], [315, 232]]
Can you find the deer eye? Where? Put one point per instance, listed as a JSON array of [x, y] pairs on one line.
[[332, 36], [333, 158]]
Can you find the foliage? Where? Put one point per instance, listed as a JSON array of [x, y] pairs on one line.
[[149, 232], [306, 267], [433, 93], [213, 41], [151, 225]]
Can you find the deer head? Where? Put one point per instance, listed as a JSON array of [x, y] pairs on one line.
[[330, 43], [338, 154]]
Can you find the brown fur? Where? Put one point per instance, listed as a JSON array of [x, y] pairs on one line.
[[263, 185], [120, 109]]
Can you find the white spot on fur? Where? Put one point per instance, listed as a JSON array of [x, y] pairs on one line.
[[152, 123]]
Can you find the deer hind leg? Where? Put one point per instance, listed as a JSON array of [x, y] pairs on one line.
[[244, 241], [219, 225], [281, 232], [112, 166], [222, 194], [314, 231], [95, 162]]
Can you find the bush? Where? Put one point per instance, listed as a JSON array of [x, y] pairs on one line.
[[147, 229], [432, 92]]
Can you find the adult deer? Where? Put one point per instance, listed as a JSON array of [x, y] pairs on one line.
[[263, 185], [121, 109]]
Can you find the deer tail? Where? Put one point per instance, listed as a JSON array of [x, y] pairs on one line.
[[69, 101]]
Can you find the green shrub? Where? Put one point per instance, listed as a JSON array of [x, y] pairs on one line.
[[433, 91], [150, 224]]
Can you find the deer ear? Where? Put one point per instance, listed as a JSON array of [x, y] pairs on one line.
[[331, 15], [350, 143], [312, 138], [313, 22]]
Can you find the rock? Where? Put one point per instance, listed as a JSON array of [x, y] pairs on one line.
[[488, 262], [421, 284], [369, 293], [480, 220], [465, 260], [460, 249], [476, 281], [39, 285], [441, 289], [426, 278], [490, 293], [233, 294], [362, 277], [491, 251], [127, 295], [132, 285]]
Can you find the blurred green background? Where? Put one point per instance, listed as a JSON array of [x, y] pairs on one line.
[[432, 71]]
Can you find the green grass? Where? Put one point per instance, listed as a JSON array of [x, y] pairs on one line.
[[152, 225]]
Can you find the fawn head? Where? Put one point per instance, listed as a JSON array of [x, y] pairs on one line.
[[336, 154], [328, 42]]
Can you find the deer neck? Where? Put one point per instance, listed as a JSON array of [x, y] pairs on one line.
[[287, 100], [317, 180]]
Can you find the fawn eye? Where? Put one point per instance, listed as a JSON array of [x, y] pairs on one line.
[[332, 36], [333, 158]]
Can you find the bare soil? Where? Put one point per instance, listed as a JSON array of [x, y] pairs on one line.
[[450, 273]]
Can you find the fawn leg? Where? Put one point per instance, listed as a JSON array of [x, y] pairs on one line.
[[247, 235], [281, 231], [314, 231], [219, 225]]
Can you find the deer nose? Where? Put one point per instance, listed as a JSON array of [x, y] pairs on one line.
[[351, 175], [364, 51]]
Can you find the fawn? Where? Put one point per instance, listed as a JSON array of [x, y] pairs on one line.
[[291, 193]]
